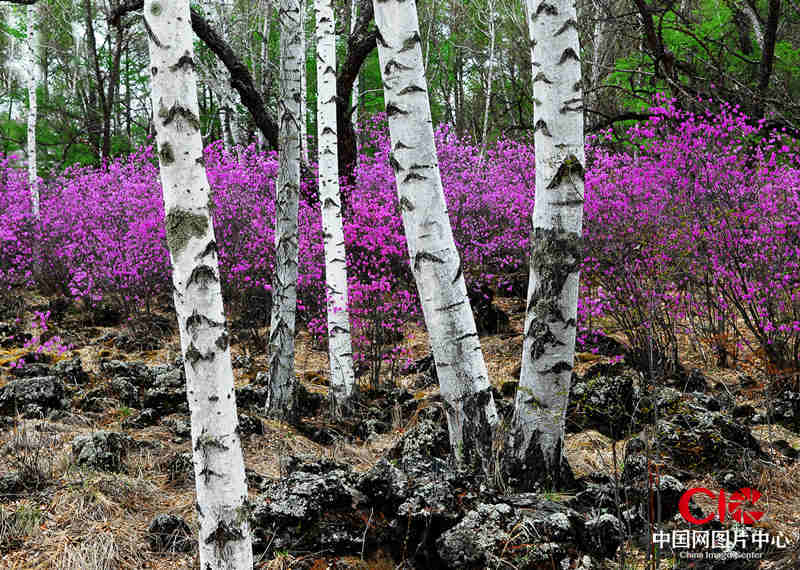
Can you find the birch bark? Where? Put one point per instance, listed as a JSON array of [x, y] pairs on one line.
[[460, 366], [537, 431], [281, 400], [340, 347], [356, 94], [32, 77], [222, 511]]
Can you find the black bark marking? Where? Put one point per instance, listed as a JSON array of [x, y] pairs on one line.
[[541, 77], [328, 131], [548, 9], [394, 164], [196, 320], [411, 89], [222, 341], [425, 256], [392, 65], [450, 307], [414, 176], [476, 443], [202, 275], [569, 53], [542, 126], [166, 154], [558, 368], [193, 356], [392, 110], [185, 62], [459, 273], [406, 204], [178, 110], [410, 43], [568, 168], [534, 471], [211, 247], [571, 23], [401, 145], [224, 534]]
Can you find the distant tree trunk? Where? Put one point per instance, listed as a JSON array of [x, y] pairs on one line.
[[340, 347], [303, 84], [464, 381], [356, 94], [225, 542], [537, 431], [283, 384], [767, 56], [489, 77], [33, 177]]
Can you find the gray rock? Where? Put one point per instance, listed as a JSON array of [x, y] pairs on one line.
[[33, 397], [125, 391], [482, 532], [136, 372], [11, 484], [101, 450], [71, 371], [170, 533], [602, 535]]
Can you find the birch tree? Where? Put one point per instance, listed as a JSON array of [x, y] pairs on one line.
[[32, 72], [221, 486], [340, 347], [356, 94], [463, 377], [281, 400], [303, 85], [537, 431]]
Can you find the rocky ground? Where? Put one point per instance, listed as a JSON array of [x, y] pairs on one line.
[[95, 459]]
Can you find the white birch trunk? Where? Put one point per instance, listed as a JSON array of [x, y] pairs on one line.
[[537, 431], [463, 377], [222, 507], [281, 401], [303, 85], [340, 347], [32, 77], [356, 94]]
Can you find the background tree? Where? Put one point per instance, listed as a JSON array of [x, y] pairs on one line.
[[225, 541], [340, 346], [283, 384], [463, 378], [537, 433]]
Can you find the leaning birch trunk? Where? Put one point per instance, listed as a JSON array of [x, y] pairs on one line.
[[33, 178], [537, 431], [281, 402], [340, 347], [463, 378], [225, 541]]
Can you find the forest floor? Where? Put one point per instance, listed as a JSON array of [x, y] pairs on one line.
[[70, 516]]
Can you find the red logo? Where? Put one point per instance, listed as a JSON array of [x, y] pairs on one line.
[[726, 506]]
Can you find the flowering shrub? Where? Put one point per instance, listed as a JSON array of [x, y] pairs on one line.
[[693, 228], [39, 344]]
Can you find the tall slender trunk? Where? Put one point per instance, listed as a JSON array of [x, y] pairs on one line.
[[537, 431], [463, 377], [222, 507], [356, 93], [303, 83], [489, 77], [281, 400], [340, 347], [33, 178]]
